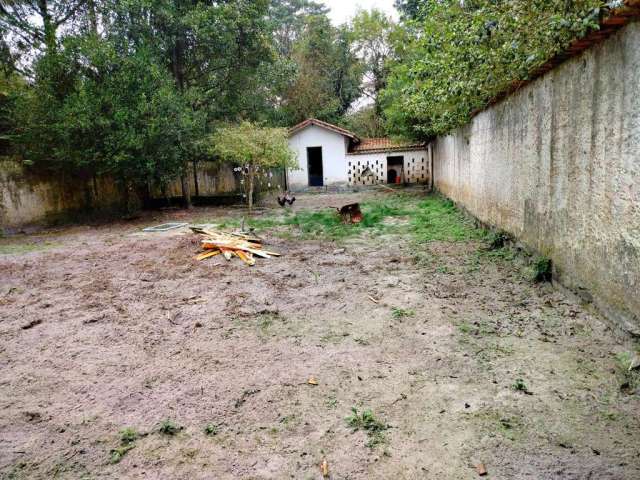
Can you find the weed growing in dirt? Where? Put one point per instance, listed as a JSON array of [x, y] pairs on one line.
[[128, 436], [541, 269], [211, 430], [400, 313], [520, 386], [497, 240], [628, 364], [370, 424], [167, 427]]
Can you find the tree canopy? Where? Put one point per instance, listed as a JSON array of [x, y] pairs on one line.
[[458, 55], [135, 89], [254, 149]]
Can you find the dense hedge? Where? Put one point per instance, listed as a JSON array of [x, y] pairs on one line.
[[462, 54]]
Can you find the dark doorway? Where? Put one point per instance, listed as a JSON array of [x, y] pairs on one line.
[[395, 167], [314, 166]]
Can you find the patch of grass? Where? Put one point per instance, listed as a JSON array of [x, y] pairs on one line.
[[400, 313], [168, 427], [464, 327], [506, 253], [22, 248], [495, 422], [370, 424], [328, 224], [211, 430], [438, 219]]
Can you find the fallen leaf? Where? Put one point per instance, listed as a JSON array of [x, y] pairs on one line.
[[312, 381]]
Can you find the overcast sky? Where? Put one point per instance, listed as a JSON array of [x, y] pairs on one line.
[[343, 10]]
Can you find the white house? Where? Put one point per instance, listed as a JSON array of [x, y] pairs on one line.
[[329, 155]]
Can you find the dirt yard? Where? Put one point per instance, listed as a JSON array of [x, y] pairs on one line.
[[122, 357]]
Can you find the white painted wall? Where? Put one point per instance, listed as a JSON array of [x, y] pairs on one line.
[[416, 167], [334, 150]]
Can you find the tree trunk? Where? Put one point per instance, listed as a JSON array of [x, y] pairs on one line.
[[93, 17], [49, 26], [250, 193]]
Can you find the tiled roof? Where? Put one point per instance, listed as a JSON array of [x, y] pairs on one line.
[[381, 145], [321, 124]]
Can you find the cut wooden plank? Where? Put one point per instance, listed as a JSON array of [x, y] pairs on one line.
[[227, 253], [246, 257], [205, 255]]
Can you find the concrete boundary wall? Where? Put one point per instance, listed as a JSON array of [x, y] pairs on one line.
[[557, 165], [27, 198]]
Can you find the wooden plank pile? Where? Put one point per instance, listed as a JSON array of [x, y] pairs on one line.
[[229, 244]]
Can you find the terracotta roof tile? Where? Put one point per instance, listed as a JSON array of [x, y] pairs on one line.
[[376, 145]]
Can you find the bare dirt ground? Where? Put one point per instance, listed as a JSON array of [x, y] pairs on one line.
[[109, 328]]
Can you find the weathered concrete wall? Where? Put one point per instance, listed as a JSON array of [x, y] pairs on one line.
[[26, 198], [29, 199], [557, 164]]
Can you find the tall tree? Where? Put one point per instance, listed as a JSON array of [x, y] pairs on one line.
[[372, 32], [288, 19], [213, 50], [329, 74], [255, 150], [36, 22]]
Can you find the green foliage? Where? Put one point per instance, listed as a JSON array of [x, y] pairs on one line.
[[327, 223], [119, 452], [255, 150], [211, 430], [128, 436], [628, 364], [541, 269], [168, 427], [438, 219], [519, 385], [122, 116], [328, 73], [365, 122], [462, 54], [497, 240], [373, 33], [370, 424], [400, 313]]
